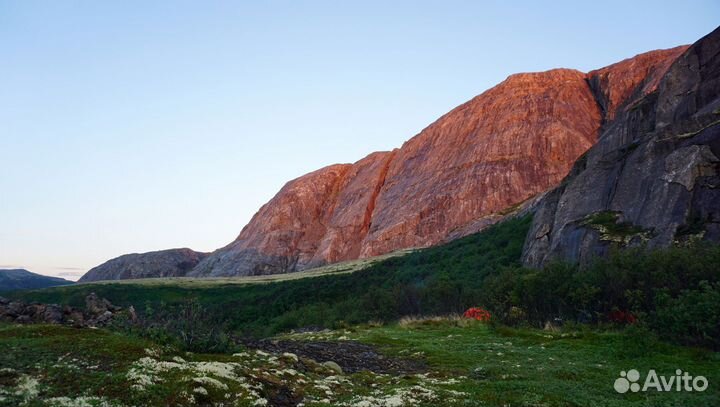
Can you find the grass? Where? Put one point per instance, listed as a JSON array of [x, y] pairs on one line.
[[529, 367], [469, 364], [48, 365], [345, 267]]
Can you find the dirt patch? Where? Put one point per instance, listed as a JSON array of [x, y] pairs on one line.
[[351, 356]]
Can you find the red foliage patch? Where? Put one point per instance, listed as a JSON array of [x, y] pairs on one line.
[[478, 314], [622, 317]]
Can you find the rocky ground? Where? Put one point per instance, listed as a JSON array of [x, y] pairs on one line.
[[97, 312], [343, 356]]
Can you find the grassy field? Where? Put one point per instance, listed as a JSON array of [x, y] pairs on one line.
[[209, 282], [468, 364]]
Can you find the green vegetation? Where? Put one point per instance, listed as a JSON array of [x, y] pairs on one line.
[[55, 366], [611, 229], [209, 282], [468, 364], [529, 367], [438, 280], [182, 351], [674, 292]]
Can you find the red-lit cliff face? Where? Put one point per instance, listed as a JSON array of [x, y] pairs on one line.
[[627, 81], [501, 148]]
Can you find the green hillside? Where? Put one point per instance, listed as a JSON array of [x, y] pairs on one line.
[[674, 292], [438, 280]]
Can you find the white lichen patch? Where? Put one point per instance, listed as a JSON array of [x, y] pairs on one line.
[[27, 387], [210, 382], [291, 356], [153, 352], [396, 398], [78, 402]]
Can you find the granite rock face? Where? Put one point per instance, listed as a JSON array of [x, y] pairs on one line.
[[456, 177], [653, 178], [164, 263], [624, 83], [313, 220], [483, 160]]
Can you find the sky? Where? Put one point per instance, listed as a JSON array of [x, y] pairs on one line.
[[133, 126]]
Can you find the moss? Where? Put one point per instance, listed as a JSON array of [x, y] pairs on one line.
[[608, 224], [691, 232], [695, 225]]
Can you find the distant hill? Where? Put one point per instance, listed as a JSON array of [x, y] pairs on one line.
[[164, 263], [19, 279]]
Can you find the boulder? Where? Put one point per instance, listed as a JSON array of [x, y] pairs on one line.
[[333, 366]]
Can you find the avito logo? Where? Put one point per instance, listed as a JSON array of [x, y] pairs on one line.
[[681, 381]]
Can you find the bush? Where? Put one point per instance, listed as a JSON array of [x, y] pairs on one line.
[[188, 326], [692, 317], [674, 292]]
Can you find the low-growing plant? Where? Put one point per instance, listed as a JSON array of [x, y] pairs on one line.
[[188, 326]]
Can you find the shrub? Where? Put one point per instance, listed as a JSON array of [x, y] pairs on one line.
[[674, 292], [188, 326], [692, 317], [478, 314]]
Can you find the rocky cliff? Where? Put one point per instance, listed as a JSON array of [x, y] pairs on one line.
[[458, 175], [653, 178], [164, 263]]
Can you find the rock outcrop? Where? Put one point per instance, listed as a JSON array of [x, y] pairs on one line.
[[164, 263], [653, 178], [457, 176], [98, 312]]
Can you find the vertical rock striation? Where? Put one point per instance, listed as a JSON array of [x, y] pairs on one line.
[[457, 176]]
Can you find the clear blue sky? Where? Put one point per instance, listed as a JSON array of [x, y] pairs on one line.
[[131, 126]]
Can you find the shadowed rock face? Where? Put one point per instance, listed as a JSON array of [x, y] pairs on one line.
[[164, 263], [456, 177], [652, 178]]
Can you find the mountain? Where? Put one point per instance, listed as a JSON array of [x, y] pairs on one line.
[[458, 175], [484, 159], [20, 279], [652, 179], [164, 263]]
